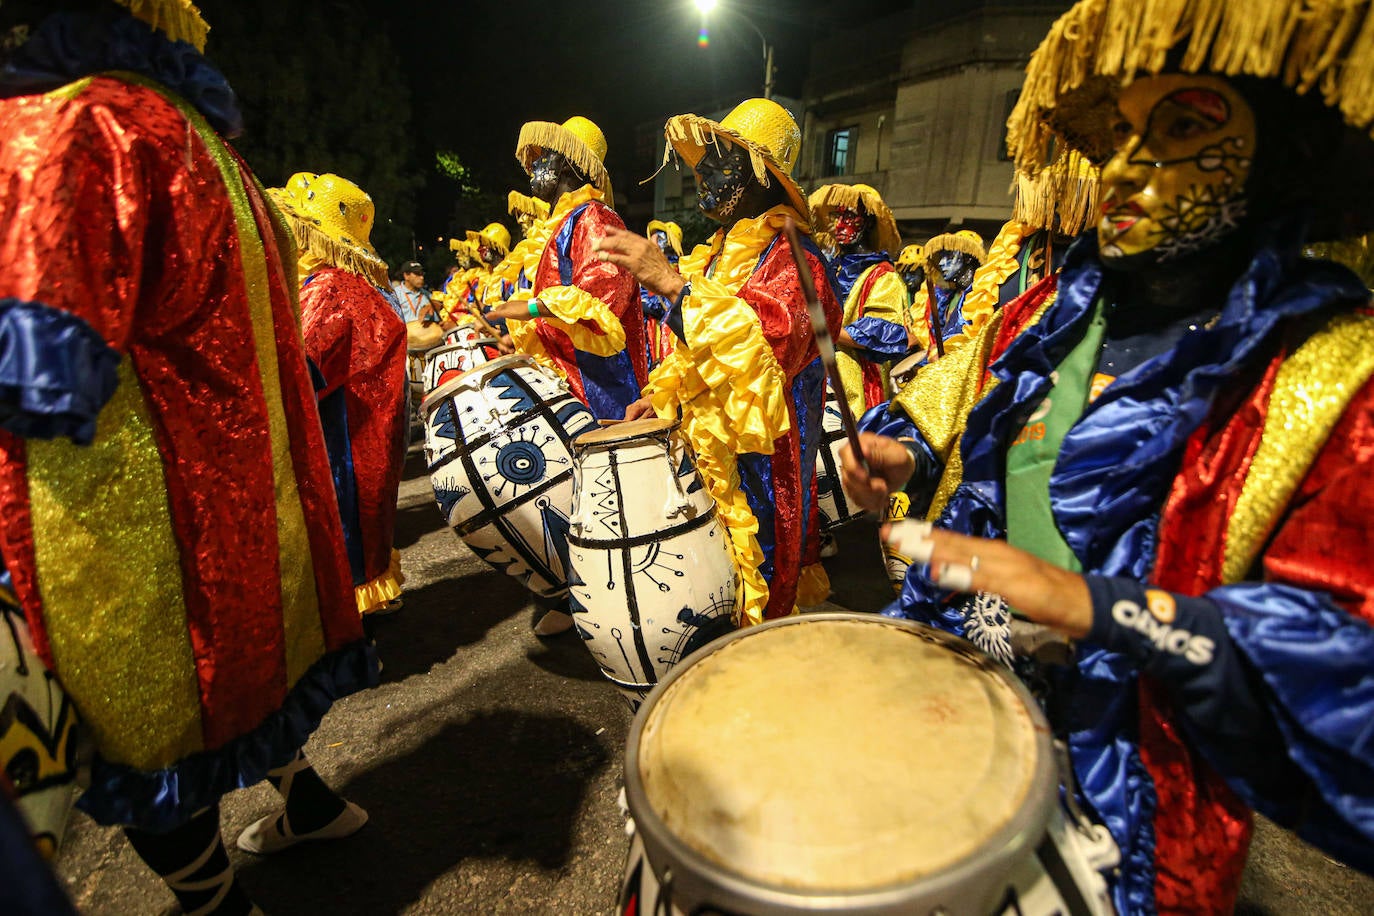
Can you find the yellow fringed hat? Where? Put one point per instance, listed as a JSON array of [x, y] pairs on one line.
[[494, 235], [1070, 192], [518, 204], [763, 127], [331, 218], [577, 138], [179, 20], [670, 229], [912, 256], [828, 198], [965, 240], [1325, 47]]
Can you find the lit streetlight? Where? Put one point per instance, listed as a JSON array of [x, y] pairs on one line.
[[707, 6]]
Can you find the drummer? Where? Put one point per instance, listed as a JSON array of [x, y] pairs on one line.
[[1172, 466], [358, 344], [582, 315], [874, 297], [746, 375]]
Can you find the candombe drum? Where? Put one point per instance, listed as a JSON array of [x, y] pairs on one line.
[[38, 735], [904, 371], [835, 508], [653, 578], [851, 764], [498, 442], [452, 360], [464, 333]]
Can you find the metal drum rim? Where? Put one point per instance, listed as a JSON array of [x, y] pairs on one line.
[[501, 363], [464, 345], [1013, 843]]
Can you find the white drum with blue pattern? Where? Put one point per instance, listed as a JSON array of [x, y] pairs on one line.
[[498, 441]]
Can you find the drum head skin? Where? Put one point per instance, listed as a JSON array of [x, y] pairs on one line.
[[841, 753], [473, 378], [623, 432]]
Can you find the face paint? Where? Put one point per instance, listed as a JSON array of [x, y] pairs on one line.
[[723, 175], [850, 226], [956, 270], [1176, 184], [544, 175], [488, 255], [914, 280], [661, 240]]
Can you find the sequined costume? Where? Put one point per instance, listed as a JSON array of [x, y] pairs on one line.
[[748, 380], [875, 303], [169, 523], [1245, 510], [595, 336]]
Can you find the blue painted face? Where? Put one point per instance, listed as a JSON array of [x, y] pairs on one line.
[[723, 177], [956, 269]]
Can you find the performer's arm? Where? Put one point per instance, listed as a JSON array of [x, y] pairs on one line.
[[879, 333]]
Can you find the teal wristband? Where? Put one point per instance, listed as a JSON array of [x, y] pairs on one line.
[[534, 308]]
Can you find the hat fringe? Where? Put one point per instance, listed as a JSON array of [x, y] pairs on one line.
[[537, 136], [179, 20], [526, 205], [952, 241], [1325, 46], [698, 131], [835, 196], [1068, 189], [312, 240]]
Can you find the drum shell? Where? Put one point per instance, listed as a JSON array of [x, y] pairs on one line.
[[445, 363], [498, 443], [977, 885], [836, 511], [39, 733], [654, 578]]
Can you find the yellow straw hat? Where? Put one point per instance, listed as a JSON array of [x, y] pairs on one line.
[[670, 229], [494, 235], [965, 240], [912, 257], [828, 198], [1325, 47], [331, 218], [518, 204], [763, 127], [179, 20], [577, 138]]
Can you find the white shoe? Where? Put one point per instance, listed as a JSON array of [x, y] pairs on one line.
[[273, 833], [553, 623]]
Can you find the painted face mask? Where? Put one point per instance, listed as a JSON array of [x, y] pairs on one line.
[[956, 270], [914, 280], [544, 175], [661, 240], [1176, 184], [850, 226], [488, 255], [723, 176]]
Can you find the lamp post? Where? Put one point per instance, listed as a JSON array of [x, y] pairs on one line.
[[706, 6]]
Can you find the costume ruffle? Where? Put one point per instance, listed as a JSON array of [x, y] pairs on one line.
[[56, 372], [880, 339], [383, 589], [68, 46], [589, 323], [161, 800]]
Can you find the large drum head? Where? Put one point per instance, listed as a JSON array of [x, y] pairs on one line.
[[627, 431], [838, 756]]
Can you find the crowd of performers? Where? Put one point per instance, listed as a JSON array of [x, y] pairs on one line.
[[1131, 440]]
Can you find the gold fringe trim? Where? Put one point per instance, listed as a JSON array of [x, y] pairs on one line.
[[1323, 46], [374, 595], [538, 136], [831, 197], [179, 20], [690, 134], [954, 241], [313, 243], [523, 204], [1067, 189]]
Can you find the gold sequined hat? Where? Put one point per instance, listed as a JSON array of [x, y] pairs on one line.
[[912, 257], [762, 127], [577, 138], [831, 197], [965, 240], [332, 218], [179, 20], [670, 229], [494, 235], [1319, 47]]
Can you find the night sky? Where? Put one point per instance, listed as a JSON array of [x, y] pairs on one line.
[[478, 70]]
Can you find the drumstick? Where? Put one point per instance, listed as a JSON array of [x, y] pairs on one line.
[[823, 340], [475, 309]]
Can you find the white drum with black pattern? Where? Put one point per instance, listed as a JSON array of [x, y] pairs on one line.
[[653, 577], [835, 508], [445, 363], [498, 442]]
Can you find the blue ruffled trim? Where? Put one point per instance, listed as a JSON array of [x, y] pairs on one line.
[[70, 46], [56, 372], [882, 340], [162, 800]]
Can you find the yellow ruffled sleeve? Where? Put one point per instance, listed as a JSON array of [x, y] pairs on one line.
[[888, 300], [571, 307]]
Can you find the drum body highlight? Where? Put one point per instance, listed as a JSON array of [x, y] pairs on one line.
[[498, 442], [653, 577]]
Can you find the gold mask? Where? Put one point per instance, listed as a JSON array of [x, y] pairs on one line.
[[1176, 183]]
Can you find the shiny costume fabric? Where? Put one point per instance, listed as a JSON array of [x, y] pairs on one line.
[[749, 384], [875, 304], [1151, 486], [358, 344], [596, 335], [184, 573]]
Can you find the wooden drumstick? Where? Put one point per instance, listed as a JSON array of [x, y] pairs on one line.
[[824, 342]]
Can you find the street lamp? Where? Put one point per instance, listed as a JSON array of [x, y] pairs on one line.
[[707, 6]]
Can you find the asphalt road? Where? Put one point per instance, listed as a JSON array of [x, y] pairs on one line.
[[490, 764]]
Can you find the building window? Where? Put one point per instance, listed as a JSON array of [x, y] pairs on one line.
[[839, 150]]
